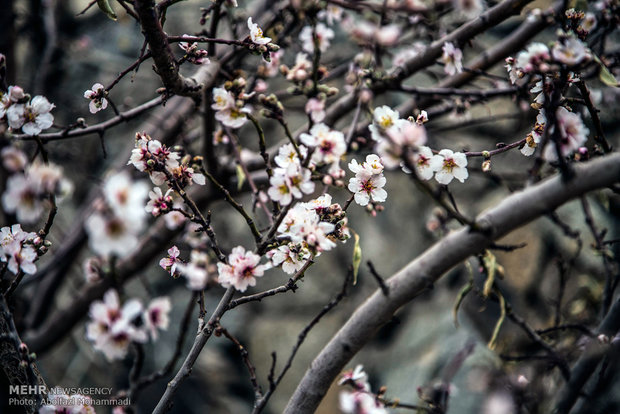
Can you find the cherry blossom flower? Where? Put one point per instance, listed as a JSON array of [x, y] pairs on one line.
[[323, 33], [360, 402], [383, 118], [291, 257], [570, 51], [13, 159], [330, 144], [356, 377], [175, 219], [20, 257], [193, 54], [452, 57], [97, 95], [302, 224], [256, 33], [195, 271], [331, 14], [153, 157], [113, 328], [533, 138], [169, 264], [233, 117], [287, 155], [316, 109], [126, 198], [448, 165], [573, 134], [292, 181], [13, 234], [156, 315], [533, 59], [301, 70], [13, 95], [368, 182], [222, 99], [111, 235], [241, 271], [407, 134], [387, 35], [279, 190], [469, 9], [184, 176], [32, 117], [22, 198], [272, 67], [159, 203]]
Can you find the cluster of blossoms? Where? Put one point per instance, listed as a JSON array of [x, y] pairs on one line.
[[196, 271], [360, 399], [193, 54], [290, 180], [367, 185], [229, 104], [309, 228], [97, 96], [60, 402], [20, 249], [29, 185], [241, 271], [538, 58], [329, 146], [446, 165], [114, 228], [112, 328], [154, 158], [393, 134], [536, 61], [21, 112]]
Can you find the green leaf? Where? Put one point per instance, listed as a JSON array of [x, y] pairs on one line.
[[459, 299], [104, 6], [493, 269], [240, 178], [605, 75], [357, 257]]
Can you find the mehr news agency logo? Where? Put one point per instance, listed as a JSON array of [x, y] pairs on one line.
[[61, 396]]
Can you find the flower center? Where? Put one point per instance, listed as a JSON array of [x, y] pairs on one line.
[[449, 164]]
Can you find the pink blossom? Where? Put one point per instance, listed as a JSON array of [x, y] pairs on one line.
[[241, 271]]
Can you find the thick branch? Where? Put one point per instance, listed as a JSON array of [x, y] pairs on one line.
[[513, 212], [165, 62]]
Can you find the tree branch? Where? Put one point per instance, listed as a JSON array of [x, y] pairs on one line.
[[513, 212]]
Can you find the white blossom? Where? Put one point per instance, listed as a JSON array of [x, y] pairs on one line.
[[256, 33], [97, 95], [452, 57], [448, 165], [32, 117], [241, 271]]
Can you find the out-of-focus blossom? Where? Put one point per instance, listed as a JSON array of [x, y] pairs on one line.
[[59, 402], [113, 328], [452, 58], [156, 315], [323, 34], [469, 9], [169, 264], [573, 134], [316, 109], [534, 58], [13, 159], [570, 51]]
